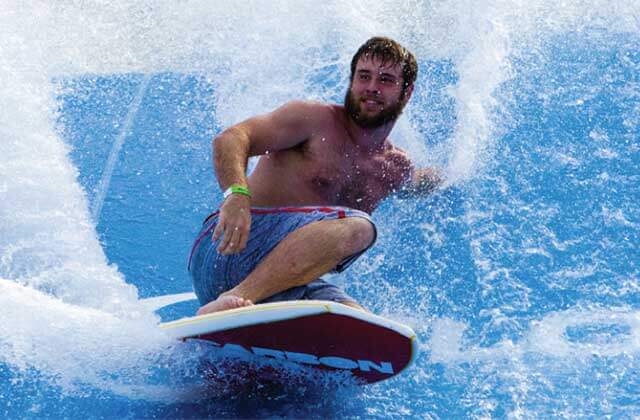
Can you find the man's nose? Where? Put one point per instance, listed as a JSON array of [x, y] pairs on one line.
[[372, 86]]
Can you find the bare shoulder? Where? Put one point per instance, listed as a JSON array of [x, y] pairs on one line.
[[307, 111], [285, 127], [399, 159]]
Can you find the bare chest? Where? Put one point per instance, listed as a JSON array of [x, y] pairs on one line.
[[343, 176]]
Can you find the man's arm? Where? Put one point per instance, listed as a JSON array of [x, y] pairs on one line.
[[284, 128], [287, 126], [416, 181]]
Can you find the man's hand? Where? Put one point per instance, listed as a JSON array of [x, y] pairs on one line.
[[234, 222], [426, 180], [422, 182]]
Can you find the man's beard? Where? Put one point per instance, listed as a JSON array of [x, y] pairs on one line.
[[352, 105]]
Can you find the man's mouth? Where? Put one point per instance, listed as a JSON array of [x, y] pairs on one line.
[[371, 101]]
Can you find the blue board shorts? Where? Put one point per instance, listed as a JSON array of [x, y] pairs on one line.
[[213, 273]]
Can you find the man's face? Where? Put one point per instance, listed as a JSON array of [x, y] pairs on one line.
[[375, 96]]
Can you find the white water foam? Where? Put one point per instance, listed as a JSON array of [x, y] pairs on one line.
[[74, 344], [548, 336], [66, 312]]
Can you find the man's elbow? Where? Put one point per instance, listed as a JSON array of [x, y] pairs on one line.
[[232, 137]]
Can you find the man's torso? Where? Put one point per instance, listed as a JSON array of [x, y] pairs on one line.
[[328, 169]]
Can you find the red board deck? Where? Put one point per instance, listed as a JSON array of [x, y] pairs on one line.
[[317, 334]]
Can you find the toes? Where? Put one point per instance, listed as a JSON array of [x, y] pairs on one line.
[[239, 302]]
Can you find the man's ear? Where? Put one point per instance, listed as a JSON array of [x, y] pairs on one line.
[[407, 93]]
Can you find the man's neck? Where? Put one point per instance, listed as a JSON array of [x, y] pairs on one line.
[[368, 140]]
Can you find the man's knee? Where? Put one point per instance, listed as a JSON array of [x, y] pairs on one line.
[[359, 234]]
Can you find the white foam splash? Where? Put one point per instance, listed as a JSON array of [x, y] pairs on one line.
[[547, 337], [70, 343]]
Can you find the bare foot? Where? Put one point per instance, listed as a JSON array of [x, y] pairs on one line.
[[223, 303]]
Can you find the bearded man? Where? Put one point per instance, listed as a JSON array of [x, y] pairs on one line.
[[305, 209]]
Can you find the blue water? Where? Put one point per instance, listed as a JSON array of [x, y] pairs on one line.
[[521, 277]]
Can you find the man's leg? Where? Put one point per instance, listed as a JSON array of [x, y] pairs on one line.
[[302, 256]]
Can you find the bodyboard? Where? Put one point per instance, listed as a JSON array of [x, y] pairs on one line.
[[320, 335]]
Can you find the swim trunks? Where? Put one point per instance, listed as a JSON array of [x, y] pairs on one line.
[[213, 273]]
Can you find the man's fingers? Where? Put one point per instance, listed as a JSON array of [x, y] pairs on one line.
[[232, 232], [226, 239], [242, 241], [217, 231], [227, 242], [231, 247]]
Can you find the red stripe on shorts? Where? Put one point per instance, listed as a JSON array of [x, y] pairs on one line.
[[341, 215]]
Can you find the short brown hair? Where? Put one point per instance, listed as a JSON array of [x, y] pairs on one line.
[[390, 52]]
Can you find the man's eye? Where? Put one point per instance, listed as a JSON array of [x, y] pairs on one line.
[[387, 80], [364, 77]]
